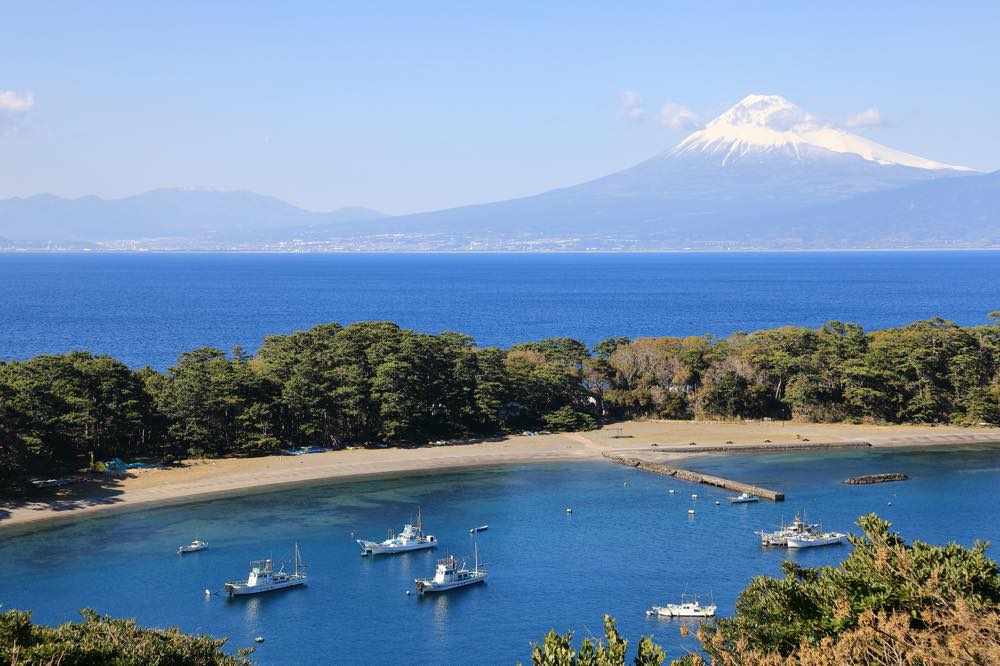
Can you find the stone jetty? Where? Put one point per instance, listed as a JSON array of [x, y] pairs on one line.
[[695, 477]]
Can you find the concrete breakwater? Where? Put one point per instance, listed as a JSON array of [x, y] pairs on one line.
[[695, 477], [876, 478]]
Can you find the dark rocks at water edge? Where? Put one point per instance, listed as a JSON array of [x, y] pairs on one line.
[[876, 478]]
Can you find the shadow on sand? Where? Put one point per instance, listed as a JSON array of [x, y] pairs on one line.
[[93, 492]]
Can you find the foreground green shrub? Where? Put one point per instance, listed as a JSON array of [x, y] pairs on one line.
[[881, 575], [888, 603], [104, 640], [557, 650]]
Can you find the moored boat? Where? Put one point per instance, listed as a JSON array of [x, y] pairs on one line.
[[683, 609], [818, 539], [800, 534], [411, 538], [263, 577], [481, 528], [451, 574], [779, 537], [193, 547], [743, 498]]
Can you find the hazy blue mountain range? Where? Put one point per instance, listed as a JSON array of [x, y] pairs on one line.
[[166, 213], [764, 174]]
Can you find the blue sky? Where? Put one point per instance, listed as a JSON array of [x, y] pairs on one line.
[[417, 106]]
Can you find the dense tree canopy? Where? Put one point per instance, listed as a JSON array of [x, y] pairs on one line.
[[374, 381]]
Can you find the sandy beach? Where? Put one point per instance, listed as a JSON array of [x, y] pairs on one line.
[[195, 480]]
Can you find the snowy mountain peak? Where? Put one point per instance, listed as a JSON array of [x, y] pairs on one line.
[[772, 111], [770, 124]]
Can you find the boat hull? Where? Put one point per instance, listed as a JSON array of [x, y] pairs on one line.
[[372, 548], [663, 611], [427, 585], [241, 589], [793, 542]]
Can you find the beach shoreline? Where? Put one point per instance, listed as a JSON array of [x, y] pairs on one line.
[[205, 480]]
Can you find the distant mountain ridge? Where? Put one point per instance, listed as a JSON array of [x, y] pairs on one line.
[[765, 174], [166, 213]]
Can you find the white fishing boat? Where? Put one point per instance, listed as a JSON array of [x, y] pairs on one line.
[[481, 528], [800, 534], [451, 574], [779, 537], [683, 609], [263, 577], [743, 498], [411, 538], [193, 547], [818, 539]]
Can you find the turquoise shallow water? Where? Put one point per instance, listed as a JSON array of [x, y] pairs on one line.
[[623, 548]]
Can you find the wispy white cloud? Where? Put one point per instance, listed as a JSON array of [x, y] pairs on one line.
[[12, 102], [13, 106], [632, 107], [870, 117], [678, 117]]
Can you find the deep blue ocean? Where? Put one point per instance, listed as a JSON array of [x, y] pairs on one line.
[[147, 308], [623, 548]]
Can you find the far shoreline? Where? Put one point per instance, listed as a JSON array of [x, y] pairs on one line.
[[830, 250], [210, 479]]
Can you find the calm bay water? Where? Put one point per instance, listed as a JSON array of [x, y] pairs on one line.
[[147, 308], [623, 548]]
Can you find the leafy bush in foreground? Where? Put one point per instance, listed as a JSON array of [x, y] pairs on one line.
[[888, 603], [557, 650], [104, 640]]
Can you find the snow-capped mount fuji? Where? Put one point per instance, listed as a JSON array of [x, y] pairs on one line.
[[763, 175], [755, 176], [762, 154], [770, 124]]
